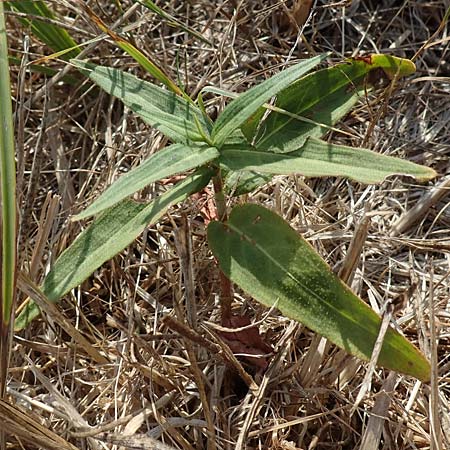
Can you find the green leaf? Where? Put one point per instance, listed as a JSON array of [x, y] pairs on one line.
[[313, 104], [145, 61], [57, 38], [164, 110], [392, 66], [263, 255], [109, 234], [318, 159], [8, 208], [165, 163], [310, 107], [240, 109]]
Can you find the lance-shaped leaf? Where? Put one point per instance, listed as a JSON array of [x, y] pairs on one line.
[[162, 109], [8, 211], [165, 163], [240, 109], [109, 234], [318, 158], [263, 255], [313, 104]]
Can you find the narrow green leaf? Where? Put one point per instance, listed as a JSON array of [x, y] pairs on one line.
[[318, 159], [109, 234], [8, 208], [164, 110], [263, 255], [240, 109], [165, 163], [149, 65], [57, 38]]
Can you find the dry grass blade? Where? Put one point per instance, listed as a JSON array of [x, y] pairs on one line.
[[435, 403], [27, 286], [355, 249], [16, 422], [136, 442], [422, 207], [372, 434]]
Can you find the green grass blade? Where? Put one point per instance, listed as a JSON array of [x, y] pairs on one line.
[[240, 109], [105, 237], [166, 111], [55, 37], [8, 208], [264, 256], [138, 56], [165, 163], [318, 159]]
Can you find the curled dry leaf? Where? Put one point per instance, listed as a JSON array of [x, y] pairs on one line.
[[246, 341]]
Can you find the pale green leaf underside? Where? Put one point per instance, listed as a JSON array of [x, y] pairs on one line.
[[171, 160], [241, 108], [318, 158], [105, 237], [164, 110], [263, 255]]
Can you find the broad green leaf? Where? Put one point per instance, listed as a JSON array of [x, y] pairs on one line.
[[263, 255], [318, 159], [57, 38], [109, 234], [165, 163], [317, 101], [240, 109], [164, 110]]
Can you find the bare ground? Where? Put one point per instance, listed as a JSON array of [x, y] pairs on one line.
[[151, 380]]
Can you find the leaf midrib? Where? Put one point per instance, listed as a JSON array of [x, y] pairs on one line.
[[292, 276]]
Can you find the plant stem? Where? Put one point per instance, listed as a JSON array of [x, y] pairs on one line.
[[226, 288]]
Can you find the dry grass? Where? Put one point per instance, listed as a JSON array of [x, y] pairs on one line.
[[145, 379]]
